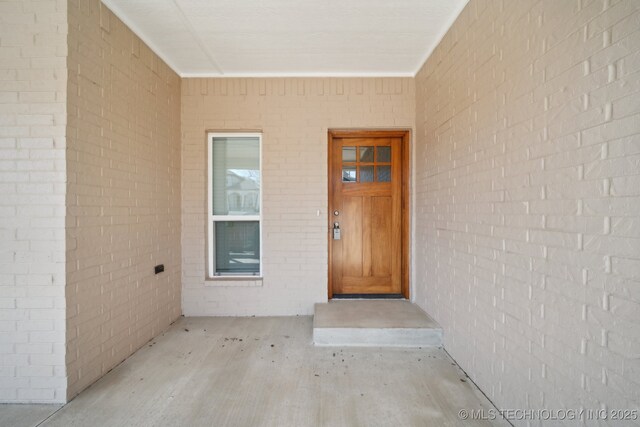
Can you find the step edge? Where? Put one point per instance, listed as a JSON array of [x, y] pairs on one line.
[[416, 328]]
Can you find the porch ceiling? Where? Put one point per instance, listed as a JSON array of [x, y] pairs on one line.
[[290, 37]]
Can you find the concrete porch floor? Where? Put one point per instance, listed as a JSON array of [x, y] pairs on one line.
[[265, 372]]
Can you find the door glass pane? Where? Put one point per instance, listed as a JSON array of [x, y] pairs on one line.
[[384, 173], [236, 175], [237, 247], [383, 154], [366, 154], [348, 154], [349, 174], [366, 173]]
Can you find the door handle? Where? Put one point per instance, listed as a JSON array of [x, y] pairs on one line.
[[336, 231]]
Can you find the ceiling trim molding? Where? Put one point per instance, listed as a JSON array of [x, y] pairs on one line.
[[450, 22], [293, 75], [137, 31]]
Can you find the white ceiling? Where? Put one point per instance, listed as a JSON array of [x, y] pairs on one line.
[[247, 38]]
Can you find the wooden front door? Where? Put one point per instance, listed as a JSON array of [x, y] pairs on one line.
[[368, 215]]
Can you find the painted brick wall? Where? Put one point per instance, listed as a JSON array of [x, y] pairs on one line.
[[123, 201], [33, 75], [294, 115], [527, 200]]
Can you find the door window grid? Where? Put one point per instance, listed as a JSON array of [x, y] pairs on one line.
[[366, 163]]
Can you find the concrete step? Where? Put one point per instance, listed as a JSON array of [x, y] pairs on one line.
[[374, 323]]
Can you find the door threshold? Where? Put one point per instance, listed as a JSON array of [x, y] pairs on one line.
[[368, 296]]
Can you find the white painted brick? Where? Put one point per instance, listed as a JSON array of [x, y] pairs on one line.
[[36, 395], [7, 372], [36, 325], [42, 382], [28, 111], [34, 371], [6, 326], [34, 348], [14, 337], [15, 383], [47, 360], [9, 394]]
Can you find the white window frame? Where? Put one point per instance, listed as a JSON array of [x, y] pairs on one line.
[[212, 219]]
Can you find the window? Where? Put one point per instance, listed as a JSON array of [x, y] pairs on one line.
[[234, 196], [359, 163]]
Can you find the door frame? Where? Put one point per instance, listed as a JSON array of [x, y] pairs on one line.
[[405, 165]]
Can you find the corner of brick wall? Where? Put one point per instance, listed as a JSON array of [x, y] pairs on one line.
[[123, 194], [33, 87]]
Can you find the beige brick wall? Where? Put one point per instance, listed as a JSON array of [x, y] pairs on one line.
[[527, 200], [123, 201], [294, 115], [33, 75]]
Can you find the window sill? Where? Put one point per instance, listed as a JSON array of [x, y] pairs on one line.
[[234, 282]]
